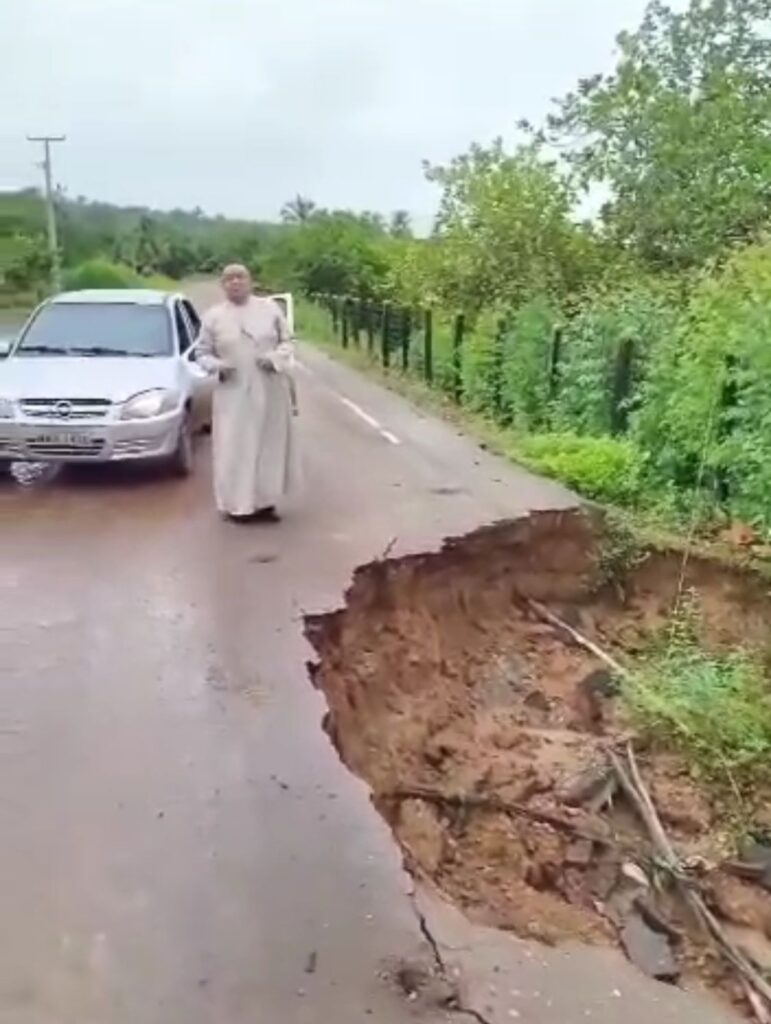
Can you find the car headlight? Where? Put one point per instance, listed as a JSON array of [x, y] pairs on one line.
[[7, 410], [150, 403]]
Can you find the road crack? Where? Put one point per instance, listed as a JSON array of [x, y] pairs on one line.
[[455, 1005]]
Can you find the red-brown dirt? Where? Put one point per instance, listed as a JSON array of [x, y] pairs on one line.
[[442, 681]]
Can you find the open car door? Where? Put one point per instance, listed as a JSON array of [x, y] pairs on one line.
[[286, 303]]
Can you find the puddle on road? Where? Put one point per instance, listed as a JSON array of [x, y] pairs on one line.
[[451, 697]]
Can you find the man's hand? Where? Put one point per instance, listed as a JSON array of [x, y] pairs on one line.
[[265, 364]]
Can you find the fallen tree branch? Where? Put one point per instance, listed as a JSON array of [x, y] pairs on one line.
[[633, 786], [583, 641], [473, 801]]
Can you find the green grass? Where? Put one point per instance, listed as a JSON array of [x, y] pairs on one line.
[[715, 708]]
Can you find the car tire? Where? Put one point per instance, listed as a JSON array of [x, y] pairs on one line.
[[182, 461]]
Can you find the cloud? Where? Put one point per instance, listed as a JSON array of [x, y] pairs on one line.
[[234, 105]]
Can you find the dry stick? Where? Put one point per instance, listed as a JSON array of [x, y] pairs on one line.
[[639, 797], [491, 803], [579, 638]]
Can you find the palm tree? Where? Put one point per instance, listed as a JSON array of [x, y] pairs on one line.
[[298, 210]]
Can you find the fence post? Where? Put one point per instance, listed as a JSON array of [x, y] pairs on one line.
[[356, 315], [334, 305], [498, 362], [385, 341], [428, 346], [622, 387], [406, 335], [457, 358], [345, 322], [729, 396], [555, 358], [370, 326]]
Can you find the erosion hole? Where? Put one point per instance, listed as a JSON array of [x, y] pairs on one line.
[[439, 677]]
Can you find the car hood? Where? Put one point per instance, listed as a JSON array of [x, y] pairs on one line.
[[90, 377]]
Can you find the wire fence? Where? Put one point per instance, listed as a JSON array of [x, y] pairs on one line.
[[482, 364]]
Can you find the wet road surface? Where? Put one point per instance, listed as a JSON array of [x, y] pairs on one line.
[[180, 844]]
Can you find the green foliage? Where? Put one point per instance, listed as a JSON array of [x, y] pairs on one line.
[[620, 549], [101, 274], [602, 468], [680, 132], [505, 229], [527, 342], [336, 253], [714, 707], [25, 265], [635, 315], [705, 412], [298, 210]]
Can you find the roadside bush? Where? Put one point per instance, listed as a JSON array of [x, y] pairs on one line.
[[527, 349], [706, 406], [482, 383], [592, 341], [101, 274], [714, 708], [602, 468]]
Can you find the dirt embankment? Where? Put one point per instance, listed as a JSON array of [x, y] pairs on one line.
[[480, 728]]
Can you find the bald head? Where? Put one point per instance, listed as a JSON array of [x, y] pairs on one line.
[[236, 283]]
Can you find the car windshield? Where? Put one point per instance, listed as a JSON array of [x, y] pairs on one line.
[[98, 329]]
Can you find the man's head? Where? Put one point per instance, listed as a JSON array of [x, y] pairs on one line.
[[236, 283]]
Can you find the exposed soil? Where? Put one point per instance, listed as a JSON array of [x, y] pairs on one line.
[[482, 731]]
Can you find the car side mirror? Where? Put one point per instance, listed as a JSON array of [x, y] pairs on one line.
[[6, 344]]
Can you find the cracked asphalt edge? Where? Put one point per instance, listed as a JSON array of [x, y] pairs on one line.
[[441, 966]]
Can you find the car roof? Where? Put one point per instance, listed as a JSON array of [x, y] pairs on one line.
[[114, 296]]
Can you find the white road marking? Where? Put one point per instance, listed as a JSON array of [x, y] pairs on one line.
[[358, 411], [369, 420], [389, 436]]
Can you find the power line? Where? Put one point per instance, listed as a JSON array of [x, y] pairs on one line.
[[53, 241]]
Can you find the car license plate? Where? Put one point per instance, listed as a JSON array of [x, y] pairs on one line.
[[64, 440]]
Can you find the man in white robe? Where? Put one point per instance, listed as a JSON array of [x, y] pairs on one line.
[[245, 343]]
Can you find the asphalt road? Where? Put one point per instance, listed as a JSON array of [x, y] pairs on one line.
[[180, 844]]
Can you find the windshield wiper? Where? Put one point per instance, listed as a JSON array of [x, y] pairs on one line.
[[42, 350], [105, 350]]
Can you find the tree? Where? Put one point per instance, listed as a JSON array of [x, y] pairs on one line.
[[26, 263], [401, 225], [504, 230], [337, 253], [680, 132], [298, 210]]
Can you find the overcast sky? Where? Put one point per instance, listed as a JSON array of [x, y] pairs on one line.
[[235, 105]]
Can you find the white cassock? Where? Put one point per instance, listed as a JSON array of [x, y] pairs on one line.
[[256, 460]]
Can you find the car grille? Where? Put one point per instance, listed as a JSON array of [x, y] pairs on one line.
[[61, 449], [65, 408], [9, 448]]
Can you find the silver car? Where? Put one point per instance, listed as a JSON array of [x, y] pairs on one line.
[[104, 376]]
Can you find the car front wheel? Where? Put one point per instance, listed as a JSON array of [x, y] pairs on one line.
[[182, 459]]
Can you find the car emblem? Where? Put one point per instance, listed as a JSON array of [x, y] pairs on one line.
[[63, 410]]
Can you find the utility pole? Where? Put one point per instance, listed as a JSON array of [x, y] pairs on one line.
[[53, 242]]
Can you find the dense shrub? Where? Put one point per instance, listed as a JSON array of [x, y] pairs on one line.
[[602, 468], [100, 274], [714, 707], [705, 410]]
